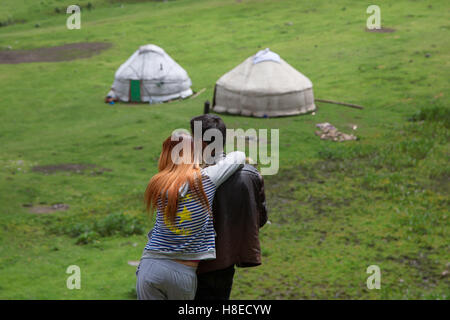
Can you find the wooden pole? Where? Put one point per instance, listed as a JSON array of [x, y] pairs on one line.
[[206, 107], [340, 103], [197, 94]]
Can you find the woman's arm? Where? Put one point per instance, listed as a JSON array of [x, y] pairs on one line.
[[223, 169]]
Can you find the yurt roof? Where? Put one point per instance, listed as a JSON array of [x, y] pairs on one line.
[[265, 73], [151, 62]]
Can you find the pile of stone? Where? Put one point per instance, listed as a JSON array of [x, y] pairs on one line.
[[329, 132]]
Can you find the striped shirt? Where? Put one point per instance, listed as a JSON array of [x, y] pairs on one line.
[[191, 236]]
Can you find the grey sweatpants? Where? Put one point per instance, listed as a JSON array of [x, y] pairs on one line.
[[165, 279]]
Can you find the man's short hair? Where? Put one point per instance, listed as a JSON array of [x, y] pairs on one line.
[[211, 121]]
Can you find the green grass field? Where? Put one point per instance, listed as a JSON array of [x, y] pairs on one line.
[[335, 208]]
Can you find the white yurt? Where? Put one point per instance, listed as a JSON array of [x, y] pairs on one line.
[[264, 85], [150, 75]]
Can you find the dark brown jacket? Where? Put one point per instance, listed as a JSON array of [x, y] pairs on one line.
[[239, 211]]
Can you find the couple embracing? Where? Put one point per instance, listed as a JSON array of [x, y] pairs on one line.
[[208, 217]]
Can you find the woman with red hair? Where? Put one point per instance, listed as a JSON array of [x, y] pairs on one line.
[[182, 194]]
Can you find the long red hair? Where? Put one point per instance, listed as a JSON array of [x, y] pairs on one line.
[[163, 188]]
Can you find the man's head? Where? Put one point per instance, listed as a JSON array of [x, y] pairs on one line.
[[210, 121]]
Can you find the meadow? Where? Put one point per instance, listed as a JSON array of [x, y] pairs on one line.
[[335, 208]]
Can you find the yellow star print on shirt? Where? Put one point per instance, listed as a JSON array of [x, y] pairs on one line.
[[186, 198], [184, 215]]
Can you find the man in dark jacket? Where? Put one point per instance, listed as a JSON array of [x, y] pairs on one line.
[[239, 211]]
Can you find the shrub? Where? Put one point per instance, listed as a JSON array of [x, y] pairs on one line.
[[87, 237], [118, 223], [110, 225], [433, 114]]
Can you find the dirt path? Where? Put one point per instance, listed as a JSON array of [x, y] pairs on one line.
[[65, 52], [381, 30], [47, 209], [71, 167]]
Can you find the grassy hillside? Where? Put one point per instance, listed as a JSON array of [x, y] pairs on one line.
[[335, 208]]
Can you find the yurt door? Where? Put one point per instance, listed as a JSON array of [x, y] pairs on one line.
[[135, 90]]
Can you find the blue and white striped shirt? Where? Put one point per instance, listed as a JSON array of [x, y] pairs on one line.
[[191, 236]]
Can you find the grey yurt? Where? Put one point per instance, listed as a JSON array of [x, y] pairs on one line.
[[150, 75], [264, 85]]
